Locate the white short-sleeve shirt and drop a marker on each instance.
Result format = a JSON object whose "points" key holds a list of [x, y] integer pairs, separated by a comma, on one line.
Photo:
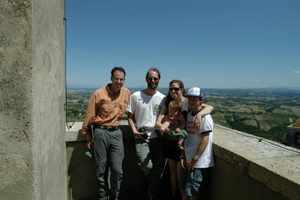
{"points": [[193, 140], [145, 108]]}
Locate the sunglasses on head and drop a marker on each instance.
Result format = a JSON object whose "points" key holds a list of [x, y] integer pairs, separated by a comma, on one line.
{"points": [[174, 88]]}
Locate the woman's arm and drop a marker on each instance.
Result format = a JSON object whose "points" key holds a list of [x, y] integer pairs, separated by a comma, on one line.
{"points": [[159, 120], [206, 109]]}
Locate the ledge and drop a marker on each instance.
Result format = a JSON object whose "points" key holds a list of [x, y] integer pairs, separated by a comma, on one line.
{"points": [[72, 132], [274, 165]]}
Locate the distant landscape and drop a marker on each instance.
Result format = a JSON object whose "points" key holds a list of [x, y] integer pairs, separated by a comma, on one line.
{"points": [[261, 112]]}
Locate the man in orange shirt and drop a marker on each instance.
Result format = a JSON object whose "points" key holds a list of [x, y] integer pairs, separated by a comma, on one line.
{"points": [[104, 113]]}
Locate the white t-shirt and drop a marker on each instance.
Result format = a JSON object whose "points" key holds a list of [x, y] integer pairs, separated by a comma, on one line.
{"points": [[193, 140], [145, 109]]}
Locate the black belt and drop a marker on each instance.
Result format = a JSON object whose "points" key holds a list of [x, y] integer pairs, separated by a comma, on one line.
{"points": [[146, 129], [109, 128]]}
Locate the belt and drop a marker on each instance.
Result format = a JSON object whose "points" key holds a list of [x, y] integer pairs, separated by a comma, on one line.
{"points": [[109, 128], [146, 129]]}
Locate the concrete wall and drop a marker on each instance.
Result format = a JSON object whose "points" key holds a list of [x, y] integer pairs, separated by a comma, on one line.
{"points": [[247, 167], [15, 105], [32, 151]]}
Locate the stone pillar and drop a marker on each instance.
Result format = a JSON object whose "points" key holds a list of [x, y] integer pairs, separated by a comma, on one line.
{"points": [[32, 146]]}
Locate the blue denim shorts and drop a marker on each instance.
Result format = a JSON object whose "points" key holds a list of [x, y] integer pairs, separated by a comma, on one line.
{"points": [[193, 181]]}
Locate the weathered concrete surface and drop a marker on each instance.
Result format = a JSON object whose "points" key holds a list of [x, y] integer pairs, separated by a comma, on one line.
{"points": [[15, 104], [248, 167], [32, 152], [48, 97]]}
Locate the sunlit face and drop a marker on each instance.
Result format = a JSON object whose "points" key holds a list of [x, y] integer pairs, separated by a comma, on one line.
{"points": [[117, 80], [194, 103], [152, 80], [175, 91]]}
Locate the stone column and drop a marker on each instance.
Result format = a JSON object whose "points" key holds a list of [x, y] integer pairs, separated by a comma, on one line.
{"points": [[32, 146]]}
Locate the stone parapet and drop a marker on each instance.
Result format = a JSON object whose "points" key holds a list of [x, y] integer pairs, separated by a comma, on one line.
{"points": [[268, 168], [247, 167]]}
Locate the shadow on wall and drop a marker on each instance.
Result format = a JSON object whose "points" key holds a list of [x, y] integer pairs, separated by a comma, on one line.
{"points": [[81, 172]]}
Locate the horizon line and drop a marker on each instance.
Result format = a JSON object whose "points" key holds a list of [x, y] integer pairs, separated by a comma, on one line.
{"points": [[232, 88]]}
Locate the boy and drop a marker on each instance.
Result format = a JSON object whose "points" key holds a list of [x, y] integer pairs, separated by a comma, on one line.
{"points": [[198, 146]]}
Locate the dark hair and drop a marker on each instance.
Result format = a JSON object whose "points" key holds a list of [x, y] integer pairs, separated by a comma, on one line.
{"points": [[121, 69], [169, 98], [153, 69]]}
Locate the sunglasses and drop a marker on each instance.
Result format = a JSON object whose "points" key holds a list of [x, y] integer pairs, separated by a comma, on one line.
{"points": [[174, 88], [152, 78]]}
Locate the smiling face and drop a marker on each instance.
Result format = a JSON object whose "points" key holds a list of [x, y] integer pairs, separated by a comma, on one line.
{"points": [[194, 103], [175, 91], [117, 80], [152, 80]]}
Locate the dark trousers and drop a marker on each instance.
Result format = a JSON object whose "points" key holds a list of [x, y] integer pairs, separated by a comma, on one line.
{"points": [[151, 161], [109, 155]]}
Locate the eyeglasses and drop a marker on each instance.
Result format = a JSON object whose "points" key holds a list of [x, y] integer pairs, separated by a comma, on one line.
{"points": [[152, 78], [174, 88]]}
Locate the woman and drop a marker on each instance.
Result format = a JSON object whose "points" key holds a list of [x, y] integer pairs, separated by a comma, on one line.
{"points": [[172, 150]]}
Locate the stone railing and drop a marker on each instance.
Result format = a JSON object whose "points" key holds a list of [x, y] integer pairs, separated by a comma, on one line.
{"points": [[247, 167]]}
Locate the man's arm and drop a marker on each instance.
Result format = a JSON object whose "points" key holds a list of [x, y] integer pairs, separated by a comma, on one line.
{"points": [[131, 123], [90, 113]]}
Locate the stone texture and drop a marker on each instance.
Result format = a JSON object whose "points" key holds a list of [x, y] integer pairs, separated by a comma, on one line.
{"points": [[32, 148], [267, 169], [48, 96], [15, 105]]}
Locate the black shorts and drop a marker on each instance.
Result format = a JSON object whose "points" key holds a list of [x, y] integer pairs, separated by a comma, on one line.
{"points": [[171, 149]]}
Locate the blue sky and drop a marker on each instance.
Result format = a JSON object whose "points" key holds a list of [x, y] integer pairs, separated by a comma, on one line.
{"points": [[209, 43]]}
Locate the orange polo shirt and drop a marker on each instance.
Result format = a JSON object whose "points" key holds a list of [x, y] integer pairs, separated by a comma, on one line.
{"points": [[106, 109]]}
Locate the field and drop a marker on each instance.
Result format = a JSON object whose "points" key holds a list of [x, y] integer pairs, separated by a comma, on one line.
{"points": [[261, 112]]}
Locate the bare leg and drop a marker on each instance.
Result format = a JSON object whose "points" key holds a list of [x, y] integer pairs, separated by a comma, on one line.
{"points": [[173, 176], [180, 180]]}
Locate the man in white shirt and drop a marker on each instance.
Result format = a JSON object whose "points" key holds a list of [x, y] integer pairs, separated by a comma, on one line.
{"points": [[143, 109], [198, 145]]}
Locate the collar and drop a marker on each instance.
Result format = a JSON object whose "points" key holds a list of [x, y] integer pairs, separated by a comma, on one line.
{"points": [[110, 92]]}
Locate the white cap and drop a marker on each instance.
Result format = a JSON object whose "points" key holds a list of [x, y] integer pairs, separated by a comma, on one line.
{"points": [[194, 92]]}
